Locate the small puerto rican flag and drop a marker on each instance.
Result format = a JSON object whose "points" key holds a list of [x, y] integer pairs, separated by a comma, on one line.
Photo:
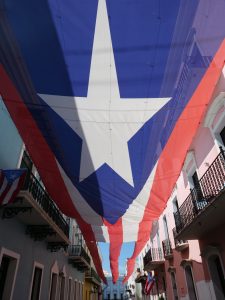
{"points": [[149, 284], [11, 182]]}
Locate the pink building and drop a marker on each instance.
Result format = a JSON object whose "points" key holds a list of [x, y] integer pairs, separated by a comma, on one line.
{"points": [[186, 250]]}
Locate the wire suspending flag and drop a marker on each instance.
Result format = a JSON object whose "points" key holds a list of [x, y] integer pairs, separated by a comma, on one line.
{"points": [[101, 93]]}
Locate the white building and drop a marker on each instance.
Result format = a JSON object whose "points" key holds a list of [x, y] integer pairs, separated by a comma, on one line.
{"points": [[114, 291]]}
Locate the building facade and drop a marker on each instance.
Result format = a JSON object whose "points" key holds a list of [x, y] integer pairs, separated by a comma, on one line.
{"points": [[185, 252], [115, 291], [42, 252]]}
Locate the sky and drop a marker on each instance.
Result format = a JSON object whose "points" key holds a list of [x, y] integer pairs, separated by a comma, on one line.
{"points": [[126, 252]]}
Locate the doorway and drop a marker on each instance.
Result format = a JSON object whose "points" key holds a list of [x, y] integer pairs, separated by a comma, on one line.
{"points": [[217, 275], [190, 283], [174, 286]]}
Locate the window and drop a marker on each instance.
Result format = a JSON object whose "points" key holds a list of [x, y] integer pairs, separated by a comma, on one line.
{"points": [[36, 283], [53, 289], [8, 269], [190, 283]]}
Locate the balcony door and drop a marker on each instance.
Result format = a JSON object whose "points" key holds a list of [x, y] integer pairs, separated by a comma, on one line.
{"points": [[166, 231], [217, 275], [222, 135], [53, 289], [197, 192], [176, 214], [36, 285]]}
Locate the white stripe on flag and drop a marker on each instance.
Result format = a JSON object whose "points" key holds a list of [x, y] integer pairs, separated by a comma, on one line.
{"points": [[12, 189], [135, 212], [86, 212], [101, 233]]}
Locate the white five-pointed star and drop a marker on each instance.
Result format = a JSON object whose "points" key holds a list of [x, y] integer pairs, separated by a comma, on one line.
{"points": [[103, 120]]}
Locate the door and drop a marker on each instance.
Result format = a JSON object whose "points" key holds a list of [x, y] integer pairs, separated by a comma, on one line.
{"points": [[174, 286], [216, 272], [197, 192]]}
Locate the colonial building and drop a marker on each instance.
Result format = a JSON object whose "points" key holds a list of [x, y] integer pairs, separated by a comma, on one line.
{"points": [[42, 252], [186, 249], [114, 291]]}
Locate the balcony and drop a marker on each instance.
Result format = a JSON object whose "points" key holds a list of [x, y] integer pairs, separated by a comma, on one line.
{"points": [[92, 276], [39, 213], [203, 209], [180, 245], [153, 259], [167, 249], [79, 258]]}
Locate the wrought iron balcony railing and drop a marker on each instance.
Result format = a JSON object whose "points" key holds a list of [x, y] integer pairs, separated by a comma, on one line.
{"points": [[167, 249], [153, 255], [93, 274], [33, 186], [78, 253], [211, 184]]}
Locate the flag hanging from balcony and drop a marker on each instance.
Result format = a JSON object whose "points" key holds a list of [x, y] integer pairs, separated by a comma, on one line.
{"points": [[102, 93], [11, 182], [150, 280]]}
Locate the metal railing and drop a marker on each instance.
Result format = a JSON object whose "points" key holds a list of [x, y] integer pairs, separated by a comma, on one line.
{"points": [[210, 185], [167, 249], [178, 242], [78, 250], [34, 187], [92, 273], [153, 254]]}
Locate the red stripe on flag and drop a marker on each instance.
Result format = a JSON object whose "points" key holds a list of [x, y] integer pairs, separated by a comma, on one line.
{"points": [[148, 286], [45, 161], [116, 240], [162, 189]]}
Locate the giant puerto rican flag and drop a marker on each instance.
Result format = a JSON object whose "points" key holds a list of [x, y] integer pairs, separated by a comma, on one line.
{"points": [[107, 96]]}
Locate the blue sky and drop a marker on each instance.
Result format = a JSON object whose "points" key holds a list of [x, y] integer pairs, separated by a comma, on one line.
{"points": [[126, 252]]}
